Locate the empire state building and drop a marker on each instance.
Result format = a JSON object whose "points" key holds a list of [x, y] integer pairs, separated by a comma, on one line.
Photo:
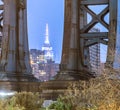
{"points": [[46, 48], [42, 61]]}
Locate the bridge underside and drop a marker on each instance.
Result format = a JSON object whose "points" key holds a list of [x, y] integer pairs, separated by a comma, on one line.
{"points": [[15, 70]]}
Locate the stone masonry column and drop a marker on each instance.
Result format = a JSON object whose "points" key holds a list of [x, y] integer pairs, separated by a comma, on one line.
{"points": [[15, 61]]}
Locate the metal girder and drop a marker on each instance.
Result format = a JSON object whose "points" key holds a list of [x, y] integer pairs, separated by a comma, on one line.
{"points": [[95, 38], [95, 41], [87, 27], [99, 18], [94, 2], [95, 18], [91, 35]]}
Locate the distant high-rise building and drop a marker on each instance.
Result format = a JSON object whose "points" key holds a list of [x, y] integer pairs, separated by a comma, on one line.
{"points": [[94, 51], [47, 49], [42, 61]]}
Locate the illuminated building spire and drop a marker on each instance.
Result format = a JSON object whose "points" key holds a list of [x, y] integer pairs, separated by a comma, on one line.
{"points": [[48, 53], [47, 35]]}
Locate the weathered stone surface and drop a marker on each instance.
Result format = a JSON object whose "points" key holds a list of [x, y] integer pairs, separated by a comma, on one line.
{"points": [[52, 89], [74, 75], [15, 62], [19, 86]]}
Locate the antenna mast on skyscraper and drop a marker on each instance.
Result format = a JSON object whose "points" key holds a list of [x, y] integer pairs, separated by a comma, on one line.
{"points": [[47, 35]]}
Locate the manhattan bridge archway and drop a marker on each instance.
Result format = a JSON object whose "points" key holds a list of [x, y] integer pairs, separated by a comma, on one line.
{"points": [[76, 40]]}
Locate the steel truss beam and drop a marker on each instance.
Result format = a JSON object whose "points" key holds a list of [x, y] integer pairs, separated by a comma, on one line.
{"points": [[77, 35]]}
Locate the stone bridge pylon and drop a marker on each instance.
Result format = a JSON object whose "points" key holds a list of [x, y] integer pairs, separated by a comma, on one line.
{"points": [[15, 62]]}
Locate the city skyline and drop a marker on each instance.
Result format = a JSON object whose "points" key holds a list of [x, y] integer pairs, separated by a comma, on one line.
{"points": [[39, 14], [42, 61]]}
